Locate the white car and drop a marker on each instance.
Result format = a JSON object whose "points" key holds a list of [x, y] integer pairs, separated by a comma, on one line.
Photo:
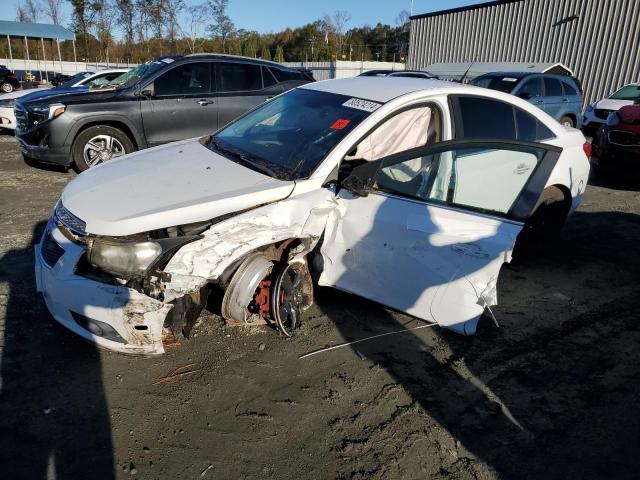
{"points": [[83, 79], [596, 114], [408, 192]]}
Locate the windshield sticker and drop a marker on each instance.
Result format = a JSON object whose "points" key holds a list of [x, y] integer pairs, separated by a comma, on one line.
{"points": [[167, 60], [360, 104], [339, 124]]}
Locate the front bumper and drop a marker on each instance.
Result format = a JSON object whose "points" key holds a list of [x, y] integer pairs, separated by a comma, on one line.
{"points": [[113, 317], [43, 152]]}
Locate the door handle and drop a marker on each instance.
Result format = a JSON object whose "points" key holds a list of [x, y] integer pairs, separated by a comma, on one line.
{"points": [[565, 99], [204, 102], [539, 101]]}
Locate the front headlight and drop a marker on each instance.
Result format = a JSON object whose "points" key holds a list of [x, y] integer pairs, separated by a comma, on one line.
{"points": [[129, 259], [8, 103], [48, 111]]}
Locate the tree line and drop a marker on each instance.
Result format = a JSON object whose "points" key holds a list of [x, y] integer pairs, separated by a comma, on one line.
{"points": [[136, 30]]}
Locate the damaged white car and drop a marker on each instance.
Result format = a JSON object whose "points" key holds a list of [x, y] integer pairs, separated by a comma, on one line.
{"points": [[408, 192]]}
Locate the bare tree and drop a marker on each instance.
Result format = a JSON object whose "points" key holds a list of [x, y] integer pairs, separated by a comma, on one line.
{"points": [[125, 14], [336, 25], [33, 9], [28, 12], [22, 15], [104, 16], [402, 20], [222, 26], [53, 10], [172, 9], [195, 25]]}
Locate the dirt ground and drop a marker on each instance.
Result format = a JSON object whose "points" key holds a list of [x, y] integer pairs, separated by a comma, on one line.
{"points": [[553, 393]]}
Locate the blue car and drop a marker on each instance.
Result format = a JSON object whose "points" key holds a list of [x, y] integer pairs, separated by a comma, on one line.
{"points": [[558, 95]]}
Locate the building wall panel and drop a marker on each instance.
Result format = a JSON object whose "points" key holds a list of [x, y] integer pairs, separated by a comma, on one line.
{"points": [[597, 39]]}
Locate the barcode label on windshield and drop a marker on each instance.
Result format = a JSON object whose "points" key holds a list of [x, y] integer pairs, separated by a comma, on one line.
{"points": [[360, 104]]}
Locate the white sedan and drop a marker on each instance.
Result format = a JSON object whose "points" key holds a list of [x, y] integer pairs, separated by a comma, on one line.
{"points": [[408, 192], [83, 79], [596, 114]]}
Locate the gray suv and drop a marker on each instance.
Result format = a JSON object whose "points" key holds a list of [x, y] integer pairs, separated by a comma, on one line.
{"points": [[558, 95], [167, 99]]}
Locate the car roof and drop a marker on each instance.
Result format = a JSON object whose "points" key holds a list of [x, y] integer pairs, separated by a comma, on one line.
{"points": [[224, 56], [380, 89], [111, 70]]}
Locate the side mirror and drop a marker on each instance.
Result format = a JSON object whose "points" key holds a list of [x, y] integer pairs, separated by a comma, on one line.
{"points": [[525, 95], [355, 185], [147, 93]]}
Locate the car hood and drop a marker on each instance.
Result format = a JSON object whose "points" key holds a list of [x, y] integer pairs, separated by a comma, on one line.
{"points": [[175, 184], [609, 104], [69, 95]]}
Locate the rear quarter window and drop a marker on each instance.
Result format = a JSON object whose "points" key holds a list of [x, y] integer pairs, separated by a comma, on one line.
{"points": [[569, 89], [286, 75], [238, 77]]}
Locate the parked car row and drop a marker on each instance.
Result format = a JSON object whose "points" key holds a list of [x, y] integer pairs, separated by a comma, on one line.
{"points": [[167, 99], [8, 80], [407, 191]]}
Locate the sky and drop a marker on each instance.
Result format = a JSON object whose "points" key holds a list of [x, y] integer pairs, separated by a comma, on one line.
{"points": [[275, 15]]}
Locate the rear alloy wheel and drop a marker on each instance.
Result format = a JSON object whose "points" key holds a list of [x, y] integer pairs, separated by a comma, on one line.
{"points": [[6, 87], [99, 144], [567, 122], [292, 293]]}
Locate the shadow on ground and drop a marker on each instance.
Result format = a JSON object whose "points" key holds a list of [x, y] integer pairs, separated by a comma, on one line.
{"points": [[55, 421], [554, 401]]}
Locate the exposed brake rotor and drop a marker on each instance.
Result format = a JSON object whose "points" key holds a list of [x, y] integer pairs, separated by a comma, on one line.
{"points": [[291, 294]]}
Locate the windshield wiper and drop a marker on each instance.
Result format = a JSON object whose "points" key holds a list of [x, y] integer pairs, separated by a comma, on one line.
{"points": [[252, 162]]}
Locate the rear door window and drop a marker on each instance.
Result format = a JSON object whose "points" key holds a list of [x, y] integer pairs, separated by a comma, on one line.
{"points": [[187, 79], [484, 118], [552, 87], [532, 87], [238, 77]]}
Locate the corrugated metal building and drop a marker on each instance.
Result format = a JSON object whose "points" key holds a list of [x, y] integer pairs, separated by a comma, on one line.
{"points": [[597, 39]]}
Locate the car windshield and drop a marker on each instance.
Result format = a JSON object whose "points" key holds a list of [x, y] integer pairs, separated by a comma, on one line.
{"points": [[75, 79], [135, 74], [289, 136], [502, 83], [628, 92]]}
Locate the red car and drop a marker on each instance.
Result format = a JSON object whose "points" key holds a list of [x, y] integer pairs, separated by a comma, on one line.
{"points": [[616, 145]]}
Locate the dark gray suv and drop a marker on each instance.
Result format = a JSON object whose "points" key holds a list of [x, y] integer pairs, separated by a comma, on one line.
{"points": [[167, 99]]}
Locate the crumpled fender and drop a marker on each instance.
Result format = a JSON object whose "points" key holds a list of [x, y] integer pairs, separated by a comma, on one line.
{"points": [[203, 261]]}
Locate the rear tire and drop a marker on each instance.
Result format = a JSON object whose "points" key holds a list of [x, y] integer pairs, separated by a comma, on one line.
{"points": [[543, 227], [6, 87], [567, 122], [99, 144]]}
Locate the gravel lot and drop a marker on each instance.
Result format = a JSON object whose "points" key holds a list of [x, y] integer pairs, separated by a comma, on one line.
{"points": [[553, 393]]}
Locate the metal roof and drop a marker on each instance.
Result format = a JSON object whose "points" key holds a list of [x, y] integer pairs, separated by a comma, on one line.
{"points": [[463, 9], [471, 70], [35, 30]]}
